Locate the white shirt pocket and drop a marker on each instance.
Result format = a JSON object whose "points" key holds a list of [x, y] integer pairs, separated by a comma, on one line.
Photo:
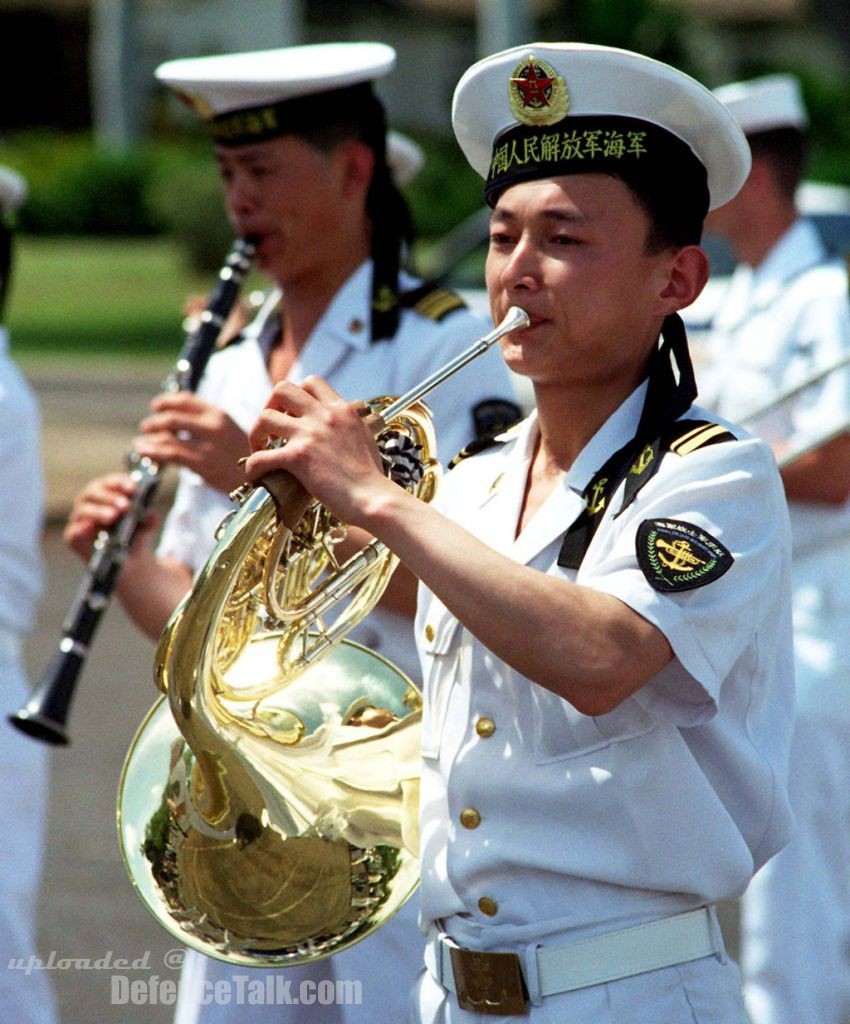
{"points": [[440, 665], [562, 732]]}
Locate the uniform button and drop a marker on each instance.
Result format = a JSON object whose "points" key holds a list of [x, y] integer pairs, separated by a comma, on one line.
{"points": [[485, 727], [470, 818], [488, 906], [429, 632]]}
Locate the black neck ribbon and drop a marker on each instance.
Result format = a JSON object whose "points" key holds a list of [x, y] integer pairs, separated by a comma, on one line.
{"points": [[669, 394]]}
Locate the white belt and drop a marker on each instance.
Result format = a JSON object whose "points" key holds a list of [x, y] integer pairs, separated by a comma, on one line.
{"points": [[490, 982]]}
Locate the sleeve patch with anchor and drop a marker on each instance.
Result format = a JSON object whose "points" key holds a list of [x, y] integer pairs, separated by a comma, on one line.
{"points": [[675, 555]]}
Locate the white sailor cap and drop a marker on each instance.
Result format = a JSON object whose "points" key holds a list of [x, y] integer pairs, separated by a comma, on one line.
{"points": [[13, 190], [545, 109], [248, 97], [762, 104]]}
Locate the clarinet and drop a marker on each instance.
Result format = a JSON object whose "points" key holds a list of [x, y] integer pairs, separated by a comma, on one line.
{"points": [[45, 714]]}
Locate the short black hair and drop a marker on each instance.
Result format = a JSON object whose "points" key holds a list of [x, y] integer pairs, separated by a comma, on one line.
{"points": [[787, 150]]}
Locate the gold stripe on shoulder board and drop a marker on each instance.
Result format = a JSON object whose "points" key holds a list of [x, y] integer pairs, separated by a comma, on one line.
{"points": [[698, 437], [438, 303]]}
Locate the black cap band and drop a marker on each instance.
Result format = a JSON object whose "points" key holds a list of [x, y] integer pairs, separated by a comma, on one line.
{"points": [[649, 159], [297, 116]]}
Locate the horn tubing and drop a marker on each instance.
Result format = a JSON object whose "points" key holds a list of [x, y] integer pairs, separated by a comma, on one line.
{"points": [[292, 499], [44, 716]]}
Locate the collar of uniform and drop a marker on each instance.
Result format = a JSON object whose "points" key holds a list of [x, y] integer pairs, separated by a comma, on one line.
{"points": [[799, 249], [347, 318], [614, 432], [621, 425], [510, 477]]}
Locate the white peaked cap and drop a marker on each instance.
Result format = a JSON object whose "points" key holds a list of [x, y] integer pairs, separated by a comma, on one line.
{"points": [[760, 104], [229, 82], [599, 81], [13, 190]]}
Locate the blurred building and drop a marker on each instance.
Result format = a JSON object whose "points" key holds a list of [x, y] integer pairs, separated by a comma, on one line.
{"points": [[90, 62]]}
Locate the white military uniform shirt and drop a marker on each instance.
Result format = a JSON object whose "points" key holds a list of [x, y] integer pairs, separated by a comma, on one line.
{"points": [[776, 327], [670, 801], [237, 380], [23, 761]]}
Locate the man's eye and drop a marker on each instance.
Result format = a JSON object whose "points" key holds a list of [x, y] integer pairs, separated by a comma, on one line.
{"points": [[566, 240], [499, 238]]}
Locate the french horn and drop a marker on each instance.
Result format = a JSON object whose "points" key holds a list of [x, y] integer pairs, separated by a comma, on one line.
{"points": [[268, 806]]}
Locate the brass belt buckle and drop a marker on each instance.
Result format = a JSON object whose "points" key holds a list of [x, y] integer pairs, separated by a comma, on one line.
{"points": [[488, 983]]}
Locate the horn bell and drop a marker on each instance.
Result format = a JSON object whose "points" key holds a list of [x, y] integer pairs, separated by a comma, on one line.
{"points": [[268, 807]]}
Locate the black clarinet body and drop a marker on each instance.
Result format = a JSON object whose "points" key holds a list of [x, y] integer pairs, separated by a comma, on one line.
{"points": [[44, 716]]}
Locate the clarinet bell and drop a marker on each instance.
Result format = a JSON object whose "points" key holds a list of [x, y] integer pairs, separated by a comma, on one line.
{"points": [[44, 716]]}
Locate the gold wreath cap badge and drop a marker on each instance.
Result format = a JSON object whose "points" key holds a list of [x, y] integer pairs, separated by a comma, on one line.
{"points": [[537, 94], [197, 103]]}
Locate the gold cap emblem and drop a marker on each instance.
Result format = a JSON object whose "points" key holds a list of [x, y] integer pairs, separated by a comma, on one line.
{"points": [[196, 103], [537, 93]]}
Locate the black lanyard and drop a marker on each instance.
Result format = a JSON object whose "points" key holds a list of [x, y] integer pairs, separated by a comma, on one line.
{"points": [[667, 398]]}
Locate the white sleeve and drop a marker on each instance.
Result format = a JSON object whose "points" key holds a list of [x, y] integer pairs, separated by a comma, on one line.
{"points": [[179, 530], [731, 492]]}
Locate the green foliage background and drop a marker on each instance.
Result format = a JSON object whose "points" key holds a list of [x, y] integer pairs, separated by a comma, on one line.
{"points": [[111, 243]]}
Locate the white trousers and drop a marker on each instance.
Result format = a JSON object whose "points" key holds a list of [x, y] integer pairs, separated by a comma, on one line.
{"points": [[385, 966], [24, 998]]}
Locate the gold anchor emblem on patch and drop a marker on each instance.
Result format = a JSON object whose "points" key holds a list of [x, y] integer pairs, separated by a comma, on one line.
{"points": [[642, 461], [597, 499], [385, 299], [681, 557]]}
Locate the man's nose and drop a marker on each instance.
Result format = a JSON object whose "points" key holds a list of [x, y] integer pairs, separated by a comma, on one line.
{"points": [[523, 267]]}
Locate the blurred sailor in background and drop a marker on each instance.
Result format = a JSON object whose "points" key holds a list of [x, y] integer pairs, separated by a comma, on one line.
{"points": [[301, 142], [784, 318], [27, 998]]}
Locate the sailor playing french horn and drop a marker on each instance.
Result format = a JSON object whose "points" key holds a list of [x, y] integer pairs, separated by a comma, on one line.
{"points": [[604, 618]]}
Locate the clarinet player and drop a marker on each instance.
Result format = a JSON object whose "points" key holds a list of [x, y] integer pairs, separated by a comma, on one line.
{"points": [[299, 138]]}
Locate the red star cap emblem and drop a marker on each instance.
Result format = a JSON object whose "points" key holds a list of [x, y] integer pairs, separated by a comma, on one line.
{"points": [[534, 89], [537, 94]]}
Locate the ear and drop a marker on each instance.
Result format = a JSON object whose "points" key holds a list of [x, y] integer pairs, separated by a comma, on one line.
{"points": [[687, 275], [357, 163]]}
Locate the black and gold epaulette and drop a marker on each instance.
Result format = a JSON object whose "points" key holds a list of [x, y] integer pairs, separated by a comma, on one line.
{"points": [[432, 301], [688, 436], [480, 444]]}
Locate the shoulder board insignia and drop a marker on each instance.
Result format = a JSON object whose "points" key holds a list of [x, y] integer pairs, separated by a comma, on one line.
{"points": [[432, 301], [480, 444], [675, 556], [690, 435]]}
